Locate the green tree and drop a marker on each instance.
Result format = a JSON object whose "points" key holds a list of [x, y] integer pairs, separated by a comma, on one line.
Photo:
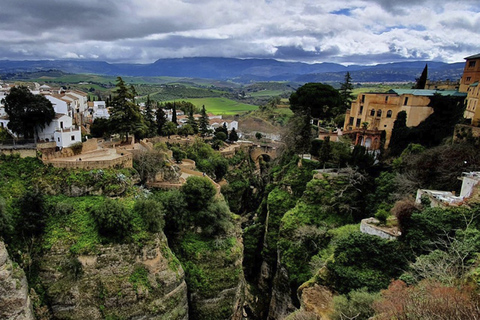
{"points": [[100, 128], [203, 122], [298, 133], [178, 154], [233, 136], [346, 89], [152, 213], [186, 130], [161, 120], [27, 112], [422, 81], [192, 122], [220, 136], [325, 152], [174, 114], [124, 113], [32, 219], [317, 100], [198, 191], [169, 128], [149, 118], [365, 261], [113, 219]]}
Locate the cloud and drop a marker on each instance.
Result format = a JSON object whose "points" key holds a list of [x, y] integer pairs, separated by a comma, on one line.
{"points": [[143, 31]]}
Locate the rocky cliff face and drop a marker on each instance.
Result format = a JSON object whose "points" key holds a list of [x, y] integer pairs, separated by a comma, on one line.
{"points": [[118, 282], [15, 303], [214, 276]]}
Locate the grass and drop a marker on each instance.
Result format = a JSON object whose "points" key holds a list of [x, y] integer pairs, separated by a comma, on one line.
{"points": [[266, 93], [223, 106]]}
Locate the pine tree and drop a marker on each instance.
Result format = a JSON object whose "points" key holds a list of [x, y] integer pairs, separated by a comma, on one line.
{"points": [[345, 91], [161, 120], [125, 115], [192, 122], [203, 122], [233, 136], [149, 118], [422, 81], [174, 114]]}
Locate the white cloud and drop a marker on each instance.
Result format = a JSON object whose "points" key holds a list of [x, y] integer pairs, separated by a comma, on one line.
{"points": [[143, 31]]}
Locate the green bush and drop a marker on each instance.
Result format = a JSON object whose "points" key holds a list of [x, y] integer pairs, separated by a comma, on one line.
{"points": [[113, 219], [152, 213], [198, 191], [382, 216], [357, 304], [365, 261]]}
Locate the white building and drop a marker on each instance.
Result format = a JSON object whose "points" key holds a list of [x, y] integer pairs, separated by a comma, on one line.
{"points": [[60, 129]]}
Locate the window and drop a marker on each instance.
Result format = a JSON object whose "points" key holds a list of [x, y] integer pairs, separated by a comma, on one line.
{"points": [[58, 139], [386, 99], [61, 124], [389, 113], [358, 123], [405, 102], [361, 110], [472, 64], [363, 98], [350, 121], [372, 112], [73, 138], [469, 78], [379, 113]]}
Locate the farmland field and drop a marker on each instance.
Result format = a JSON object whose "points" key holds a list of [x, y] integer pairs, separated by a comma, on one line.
{"points": [[220, 105]]}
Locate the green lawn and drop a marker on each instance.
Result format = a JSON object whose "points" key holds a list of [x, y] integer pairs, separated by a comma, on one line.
{"points": [[222, 105]]}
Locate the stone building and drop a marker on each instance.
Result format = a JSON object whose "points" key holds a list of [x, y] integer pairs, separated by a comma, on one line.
{"points": [[372, 114], [471, 72]]}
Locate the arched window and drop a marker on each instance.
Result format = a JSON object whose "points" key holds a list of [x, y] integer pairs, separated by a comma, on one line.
{"points": [[379, 112], [372, 113], [389, 113]]}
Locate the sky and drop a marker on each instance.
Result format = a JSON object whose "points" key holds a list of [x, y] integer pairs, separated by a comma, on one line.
{"points": [[142, 31]]}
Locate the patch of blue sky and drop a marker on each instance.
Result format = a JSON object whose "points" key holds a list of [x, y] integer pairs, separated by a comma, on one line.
{"points": [[343, 12]]}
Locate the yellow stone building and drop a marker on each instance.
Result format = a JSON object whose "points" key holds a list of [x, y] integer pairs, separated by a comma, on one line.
{"points": [[373, 113], [471, 72], [470, 85]]}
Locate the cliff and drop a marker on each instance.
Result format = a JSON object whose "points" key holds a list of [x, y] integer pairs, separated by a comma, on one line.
{"points": [[118, 281], [15, 303]]}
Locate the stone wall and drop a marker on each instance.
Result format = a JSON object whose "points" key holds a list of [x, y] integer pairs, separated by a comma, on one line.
{"points": [[90, 145], [22, 152], [367, 227], [124, 161]]}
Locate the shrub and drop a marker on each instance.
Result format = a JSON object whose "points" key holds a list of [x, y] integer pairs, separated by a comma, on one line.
{"points": [[113, 219], [357, 304], [76, 148], [382, 216], [198, 191], [152, 213], [5, 223], [427, 300], [31, 221]]}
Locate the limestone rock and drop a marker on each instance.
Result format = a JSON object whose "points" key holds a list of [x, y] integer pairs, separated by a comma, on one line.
{"points": [[119, 281], [15, 303]]}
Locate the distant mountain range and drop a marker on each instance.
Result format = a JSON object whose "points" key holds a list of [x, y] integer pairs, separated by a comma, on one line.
{"points": [[246, 70]]}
